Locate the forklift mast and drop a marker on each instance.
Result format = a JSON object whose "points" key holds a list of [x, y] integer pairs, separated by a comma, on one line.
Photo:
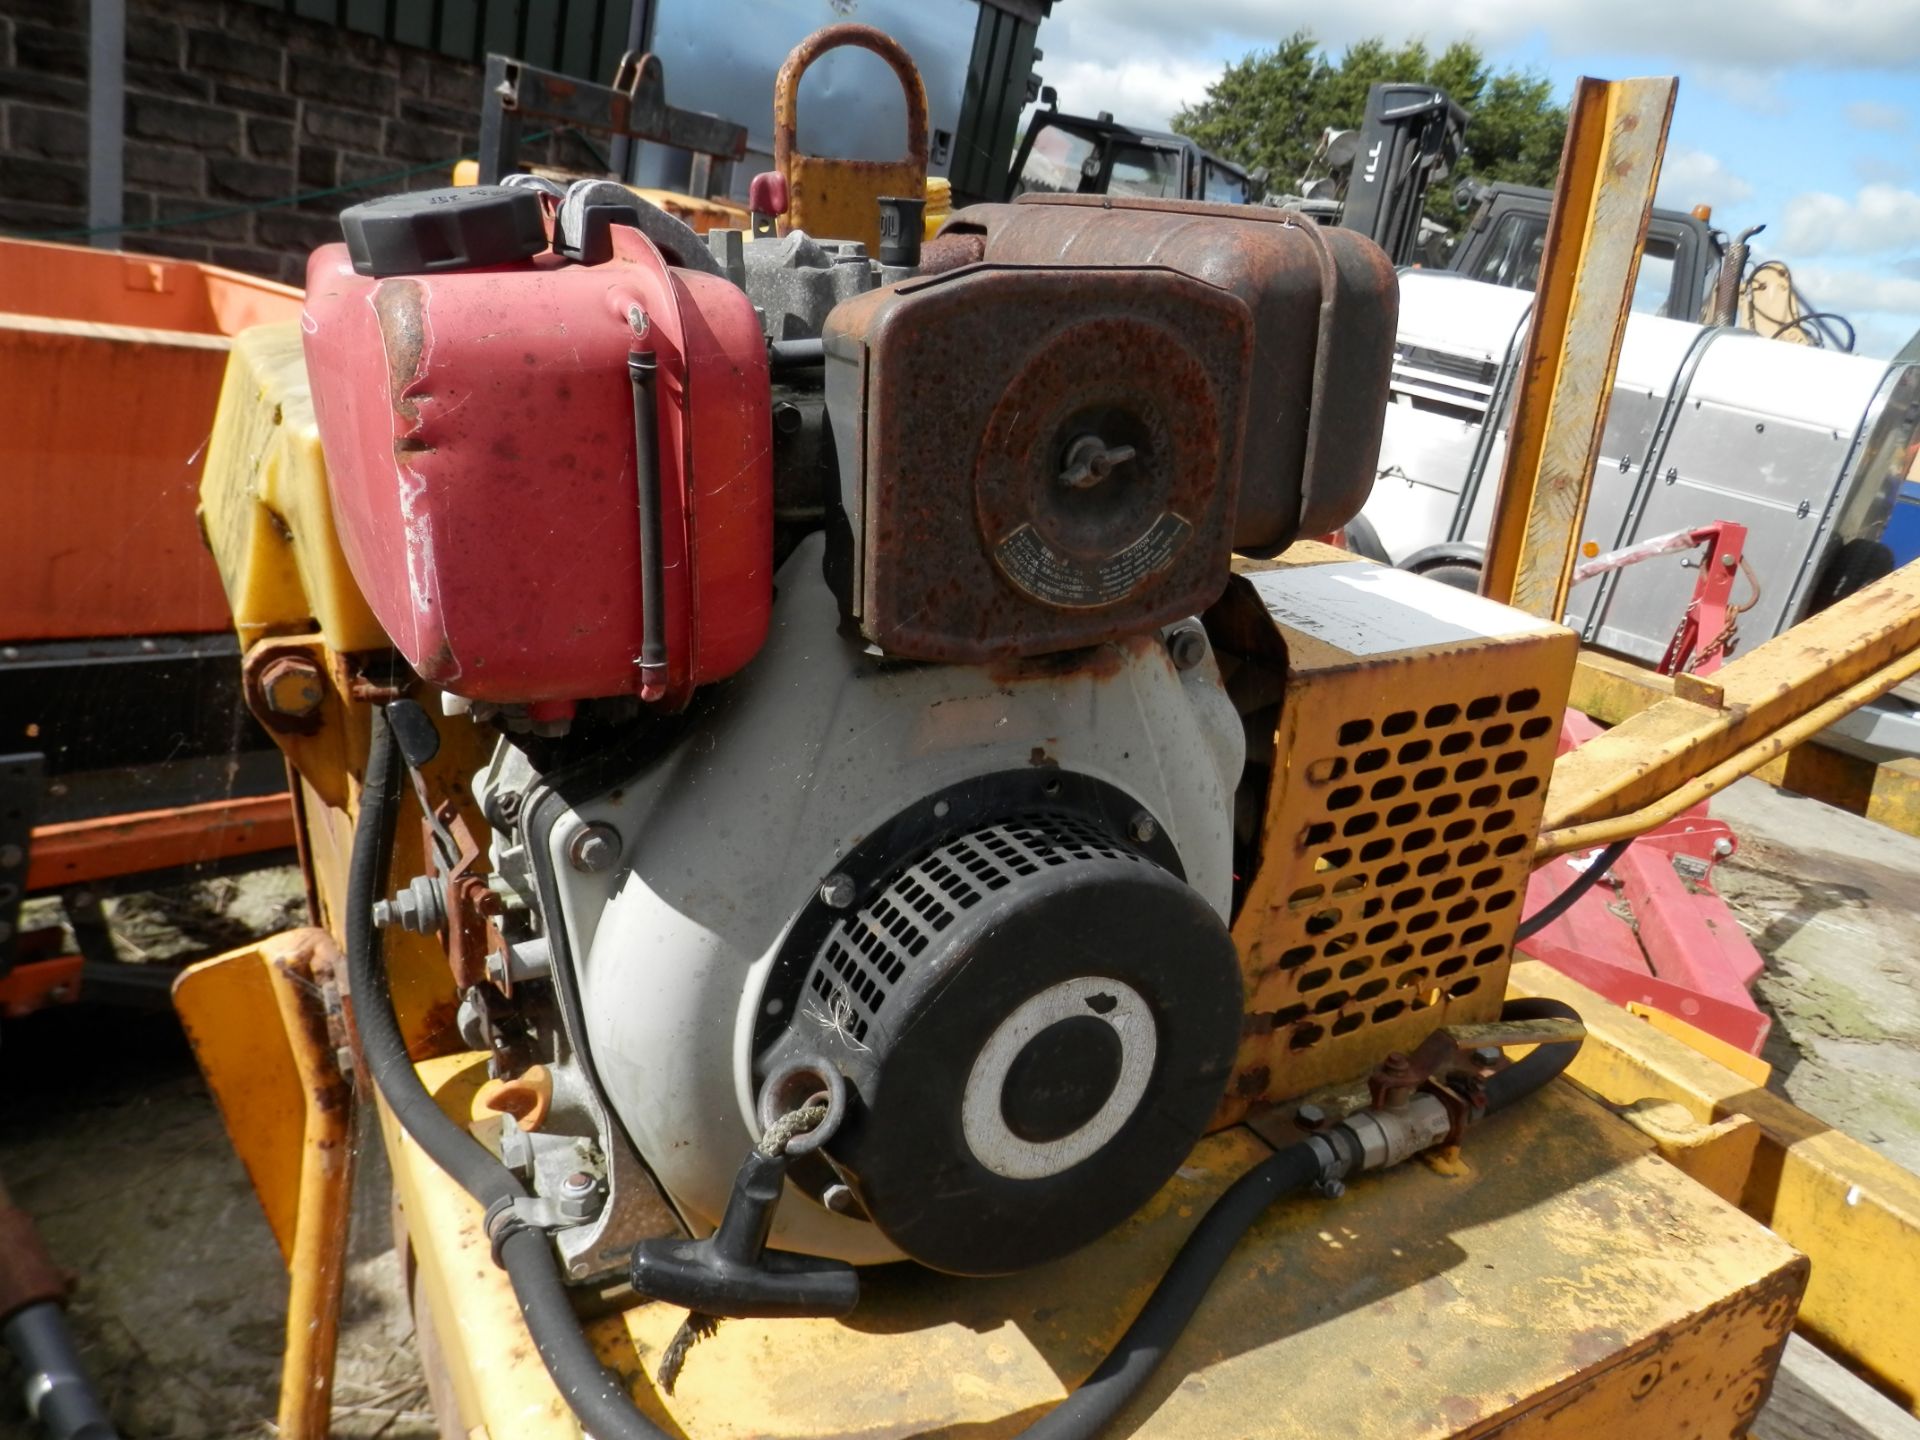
{"points": [[1411, 136]]}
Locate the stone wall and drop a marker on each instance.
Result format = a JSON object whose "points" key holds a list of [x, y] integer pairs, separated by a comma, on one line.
{"points": [[230, 107]]}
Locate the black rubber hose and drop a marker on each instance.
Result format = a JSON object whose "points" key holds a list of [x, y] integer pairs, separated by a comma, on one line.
{"points": [[597, 1397], [1090, 1409], [382, 1046], [600, 1399], [1595, 872], [1546, 1062]]}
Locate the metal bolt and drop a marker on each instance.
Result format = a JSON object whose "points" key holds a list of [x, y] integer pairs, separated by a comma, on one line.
{"points": [[1187, 647], [839, 1199], [1089, 460], [421, 907], [508, 805], [580, 1196], [595, 850], [293, 686], [1723, 847], [1142, 828], [1310, 1117], [1332, 1187], [838, 890], [1488, 1056]]}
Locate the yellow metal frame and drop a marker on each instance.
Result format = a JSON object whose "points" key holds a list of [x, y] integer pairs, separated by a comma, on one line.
{"points": [[1709, 733], [1612, 690], [1853, 1213], [1565, 1281], [259, 1029], [1608, 169]]}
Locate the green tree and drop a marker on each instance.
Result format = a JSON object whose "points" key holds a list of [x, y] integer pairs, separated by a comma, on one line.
{"points": [[1270, 108]]}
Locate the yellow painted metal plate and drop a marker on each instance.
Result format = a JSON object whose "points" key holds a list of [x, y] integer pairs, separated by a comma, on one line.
{"points": [[265, 506], [1569, 1281], [1854, 1212], [232, 1021]]}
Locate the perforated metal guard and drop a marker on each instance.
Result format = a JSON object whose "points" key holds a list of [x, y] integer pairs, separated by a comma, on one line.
{"points": [[1400, 830], [869, 951]]}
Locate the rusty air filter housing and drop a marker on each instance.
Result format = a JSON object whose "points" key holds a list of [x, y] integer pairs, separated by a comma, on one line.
{"points": [[1324, 304], [1035, 459]]}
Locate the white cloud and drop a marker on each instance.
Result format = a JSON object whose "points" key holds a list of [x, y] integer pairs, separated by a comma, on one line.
{"points": [[1752, 89], [1879, 169], [1879, 217], [1139, 92], [1845, 288], [1871, 34], [1882, 305], [1871, 115], [1693, 177]]}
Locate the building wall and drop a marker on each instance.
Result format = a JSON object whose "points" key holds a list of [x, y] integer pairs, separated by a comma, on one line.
{"points": [[229, 107]]}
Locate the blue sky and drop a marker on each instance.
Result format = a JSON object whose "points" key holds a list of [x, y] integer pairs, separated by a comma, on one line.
{"points": [[1803, 115]]}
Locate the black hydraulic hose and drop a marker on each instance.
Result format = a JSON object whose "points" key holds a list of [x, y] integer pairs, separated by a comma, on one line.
{"points": [[1090, 1409], [1596, 871], [1546, 1062], [599, 1398], [58, 1393], [381, 1044]]}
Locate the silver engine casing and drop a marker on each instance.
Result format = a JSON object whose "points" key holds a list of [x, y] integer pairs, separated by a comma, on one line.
{"points": [[726, 833]]}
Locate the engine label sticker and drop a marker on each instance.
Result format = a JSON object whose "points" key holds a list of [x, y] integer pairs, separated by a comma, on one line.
{"points": [[1031, 562], [1368, 609]]}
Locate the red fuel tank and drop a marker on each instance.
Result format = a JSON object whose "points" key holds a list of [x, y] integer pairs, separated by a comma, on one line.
{"points": [[479, 426]]}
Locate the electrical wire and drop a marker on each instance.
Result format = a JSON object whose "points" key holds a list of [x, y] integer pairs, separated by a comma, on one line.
{"points": [[1551, 911], [1809, 322]]}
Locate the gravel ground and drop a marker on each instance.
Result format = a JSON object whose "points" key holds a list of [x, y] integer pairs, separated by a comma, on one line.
{"points": [[112, 1144]]}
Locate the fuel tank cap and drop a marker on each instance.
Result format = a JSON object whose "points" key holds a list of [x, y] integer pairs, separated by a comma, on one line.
{"points": [[456, 228]]}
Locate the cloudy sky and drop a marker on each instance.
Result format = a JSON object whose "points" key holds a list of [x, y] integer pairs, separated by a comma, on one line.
{"points": [[1803, 115]]}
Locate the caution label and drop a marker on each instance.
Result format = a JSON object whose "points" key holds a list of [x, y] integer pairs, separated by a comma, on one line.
{"points": [[1032, 563]]}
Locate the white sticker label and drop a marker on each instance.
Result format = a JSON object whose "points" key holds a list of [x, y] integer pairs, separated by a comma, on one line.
{"points": [[1368, 609]]}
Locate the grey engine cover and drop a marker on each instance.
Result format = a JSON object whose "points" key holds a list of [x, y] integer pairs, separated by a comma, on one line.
{"points": [[784, 770]]}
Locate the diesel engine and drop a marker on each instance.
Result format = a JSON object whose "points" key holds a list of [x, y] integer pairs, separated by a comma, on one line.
{"points": [[862, 750]]}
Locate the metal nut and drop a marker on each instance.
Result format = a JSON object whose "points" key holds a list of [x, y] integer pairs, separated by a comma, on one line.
{"points": [[1142, 828], [293, 686], [1310, 1117], [580, 1196], [839, 1199], [595, 850], [1186, 647], [1489, 1056], [838, 890]]}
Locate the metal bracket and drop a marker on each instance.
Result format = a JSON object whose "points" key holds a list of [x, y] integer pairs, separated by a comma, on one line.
{"points": [[634, 106]]}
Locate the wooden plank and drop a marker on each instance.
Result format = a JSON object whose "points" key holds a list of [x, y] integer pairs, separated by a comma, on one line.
{"points": [[1817, 1398]]}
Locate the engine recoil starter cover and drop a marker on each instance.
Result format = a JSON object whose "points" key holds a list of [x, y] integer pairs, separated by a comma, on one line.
{"points": [[1036, 1021]]}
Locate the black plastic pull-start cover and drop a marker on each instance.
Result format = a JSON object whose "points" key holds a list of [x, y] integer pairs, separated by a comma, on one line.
{"points": [[458, 228]]}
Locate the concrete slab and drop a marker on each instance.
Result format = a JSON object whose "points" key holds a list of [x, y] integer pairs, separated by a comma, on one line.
{"points": [[1833, 902]]}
